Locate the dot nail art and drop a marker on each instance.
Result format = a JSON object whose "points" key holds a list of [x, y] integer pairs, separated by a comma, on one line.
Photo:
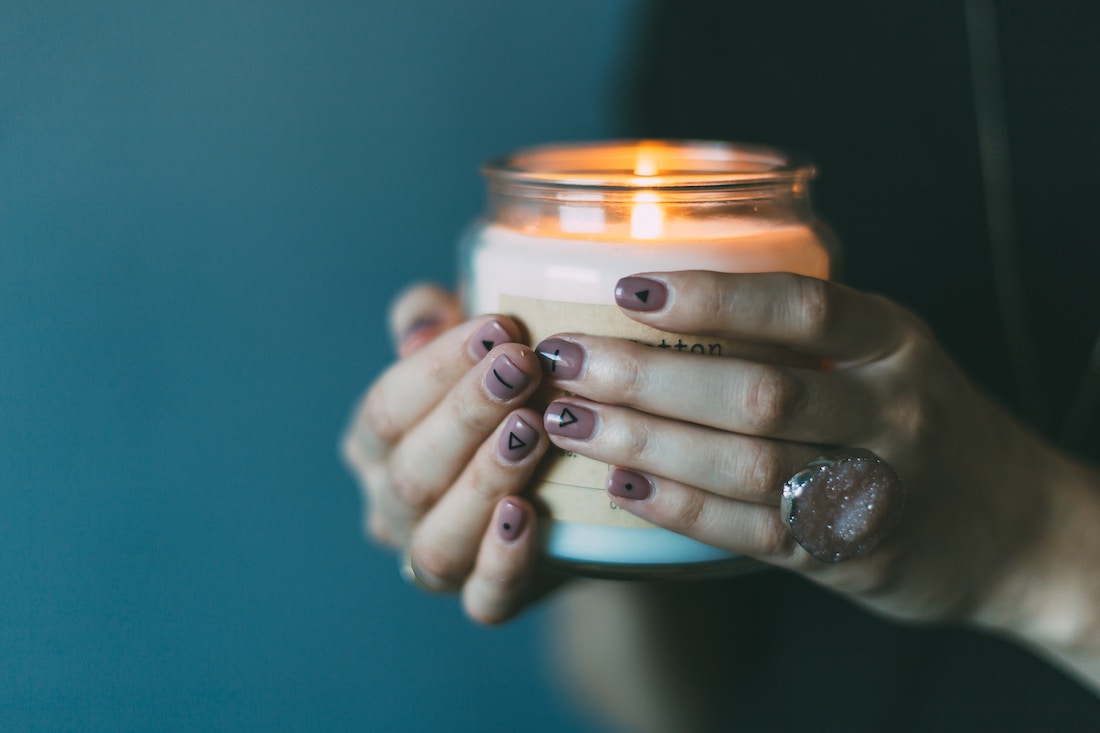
{"points": [[626, 484], [511, 520]]}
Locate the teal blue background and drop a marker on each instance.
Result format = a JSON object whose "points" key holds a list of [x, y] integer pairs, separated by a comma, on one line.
{"points": [[204, 209]]}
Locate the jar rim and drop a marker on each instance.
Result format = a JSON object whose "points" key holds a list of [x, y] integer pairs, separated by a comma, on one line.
{"points": [[630, 164]]}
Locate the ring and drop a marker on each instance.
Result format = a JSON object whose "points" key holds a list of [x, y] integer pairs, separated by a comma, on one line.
{"points": [[411, 576], [843, 504]]}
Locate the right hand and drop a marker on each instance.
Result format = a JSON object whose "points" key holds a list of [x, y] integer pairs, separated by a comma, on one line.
{"points": [[429, 444]]}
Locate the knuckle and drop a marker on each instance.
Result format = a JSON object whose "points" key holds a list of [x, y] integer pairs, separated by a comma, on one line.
{"points": [[719, 305], [350, 452], [486, 614], [765, 475], [775, 539], [484, 485], [688, 514], [440, 373], [627, 382], [634, 443], [377, 419], [916, 417], [380, 531], [469, 416], [412, 491], [490, 601], [437, 565], [770, 401], [815, 305]]}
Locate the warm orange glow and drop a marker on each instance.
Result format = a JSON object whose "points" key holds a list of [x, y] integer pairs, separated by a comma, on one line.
{"points": [[646, 163], [646, 217], [647, 221]]}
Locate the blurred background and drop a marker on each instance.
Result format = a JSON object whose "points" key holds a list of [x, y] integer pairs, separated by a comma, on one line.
{"points": [[205, 208]]}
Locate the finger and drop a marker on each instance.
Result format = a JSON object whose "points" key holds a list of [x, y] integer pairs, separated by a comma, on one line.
{"points": [[412, 387], [755, 530], [802, 313], [434, 452], [421, 313], [731, 465], [504, 572], [766, 400], [445, 542]]}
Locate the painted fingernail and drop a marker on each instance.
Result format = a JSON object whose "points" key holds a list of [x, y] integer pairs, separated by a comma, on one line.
{"points": [[641, 294], [505, 380], [417, 331], [626, 484], [517, 439], [488, 336], [561, 359], [569, 420], [511, 519]]}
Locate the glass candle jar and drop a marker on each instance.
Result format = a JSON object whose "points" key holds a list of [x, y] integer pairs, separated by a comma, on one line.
{"points": [[562, 225]]}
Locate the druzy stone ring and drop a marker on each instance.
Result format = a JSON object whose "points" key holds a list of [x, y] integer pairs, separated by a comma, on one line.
{"points": [[842, 504]]}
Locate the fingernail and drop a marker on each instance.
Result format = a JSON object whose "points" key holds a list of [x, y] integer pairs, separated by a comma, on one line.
{"points": [[504, 379], [511, 519], [561, 359], [488, 336], [569, 420], [517, 439], [626, 484], [641, 294], [418, 329]]}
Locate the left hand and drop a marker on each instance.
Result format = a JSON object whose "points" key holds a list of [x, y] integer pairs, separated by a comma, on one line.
{"points": [[709, 441]]}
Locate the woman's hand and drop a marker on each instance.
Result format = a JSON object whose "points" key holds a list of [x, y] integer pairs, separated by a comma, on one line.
{"points": [[703, 445], [442, 447]]}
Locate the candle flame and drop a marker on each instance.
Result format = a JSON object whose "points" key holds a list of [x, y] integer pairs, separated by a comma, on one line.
{"points": [[646, 218], [645, 164]]}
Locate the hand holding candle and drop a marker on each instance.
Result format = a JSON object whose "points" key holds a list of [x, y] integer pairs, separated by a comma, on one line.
{"points": [[564, 223], [443, 446], [698, 388], [703, 446]]}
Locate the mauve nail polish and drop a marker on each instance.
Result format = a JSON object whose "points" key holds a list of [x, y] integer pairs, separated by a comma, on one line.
{"points": [[517, 439], [511, 520], [419, 325], [490, 335], [569, 420], [421, 330], [560, 359], [626, 484], [641, 294], [505, 380]]}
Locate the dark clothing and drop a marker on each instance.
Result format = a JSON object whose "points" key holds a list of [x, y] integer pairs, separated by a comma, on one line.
{"points": [[880, 96]]}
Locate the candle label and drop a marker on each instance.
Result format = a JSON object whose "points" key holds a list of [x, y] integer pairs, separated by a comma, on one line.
{"points": [[569, 486]]}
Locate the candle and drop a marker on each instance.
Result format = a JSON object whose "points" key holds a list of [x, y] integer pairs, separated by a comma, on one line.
{"points": [[564, 223]]}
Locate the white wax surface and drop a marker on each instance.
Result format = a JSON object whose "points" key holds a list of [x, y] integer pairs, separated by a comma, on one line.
{"points": [[585, 271]]}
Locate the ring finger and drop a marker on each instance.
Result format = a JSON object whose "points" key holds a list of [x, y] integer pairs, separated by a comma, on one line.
{"points": [[741, 527], [735, 466], [458, 425], [445, 543]]}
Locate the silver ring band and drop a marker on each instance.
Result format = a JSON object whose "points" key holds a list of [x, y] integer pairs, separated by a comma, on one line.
{"points": [[413, 577]]}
